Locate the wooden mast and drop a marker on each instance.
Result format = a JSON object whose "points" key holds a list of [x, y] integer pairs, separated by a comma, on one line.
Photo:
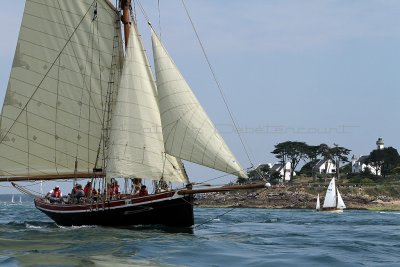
{"points": [[125, 6]]}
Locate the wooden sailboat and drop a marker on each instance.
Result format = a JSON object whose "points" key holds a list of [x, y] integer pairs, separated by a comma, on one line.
{"points": [[81, 104], [333, 201]]}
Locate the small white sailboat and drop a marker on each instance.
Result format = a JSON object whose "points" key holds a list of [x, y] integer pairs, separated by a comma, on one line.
{"points": [[318, 205], [333, 201], [12, 199], [20, 199]]}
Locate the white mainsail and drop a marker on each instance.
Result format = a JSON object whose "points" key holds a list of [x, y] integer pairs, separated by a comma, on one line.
{"points": [[330, 196], [56, 97], [340, 202], [318, 205], [136, 140], [188, 132]]}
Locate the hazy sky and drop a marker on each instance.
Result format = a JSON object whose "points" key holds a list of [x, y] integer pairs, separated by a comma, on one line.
{"points": [[318, 71]]}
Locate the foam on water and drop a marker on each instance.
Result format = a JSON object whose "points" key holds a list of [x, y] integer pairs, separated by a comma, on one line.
{"points": [[242, 237]]}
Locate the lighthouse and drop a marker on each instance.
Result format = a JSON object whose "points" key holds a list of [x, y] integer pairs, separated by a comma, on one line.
{"points": [[380, 143]]}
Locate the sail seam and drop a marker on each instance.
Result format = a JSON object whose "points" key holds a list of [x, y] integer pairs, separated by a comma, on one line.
{"points": [[50, 92], [186, 130], [8, 158], [42, 131], [44, 77], [40, 144]]}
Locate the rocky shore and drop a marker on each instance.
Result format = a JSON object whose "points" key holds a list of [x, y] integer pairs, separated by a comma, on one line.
{"points": [[304, 197]]}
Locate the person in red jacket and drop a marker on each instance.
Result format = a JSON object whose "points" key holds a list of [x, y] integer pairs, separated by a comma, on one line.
{"points": [[116, 188], [55, 195], [143, 191], [88, 189]]}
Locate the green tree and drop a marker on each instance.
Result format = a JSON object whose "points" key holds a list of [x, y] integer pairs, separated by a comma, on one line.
{"points": [[308, 168], [252, 174], [259, 173], [326, 153], [312, 153], [292, 152], [384, 160], [339, 154]]}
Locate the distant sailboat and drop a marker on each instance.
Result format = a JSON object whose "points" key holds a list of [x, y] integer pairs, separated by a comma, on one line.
{"points": [[333, 201], [20, 199], [318, 205], [12, 199]]}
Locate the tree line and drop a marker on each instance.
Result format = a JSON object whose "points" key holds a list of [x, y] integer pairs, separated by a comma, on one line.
{"points": [[383, 160]]}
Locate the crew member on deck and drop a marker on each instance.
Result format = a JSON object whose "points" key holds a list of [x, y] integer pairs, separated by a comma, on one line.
{"points": [[143, 191], [116, 188], [55, 195], [136, 185], [80, 193], [88, 189]]}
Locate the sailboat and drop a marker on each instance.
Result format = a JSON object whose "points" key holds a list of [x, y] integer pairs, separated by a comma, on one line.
{"points": [[12, 199], [318, 205], [81, 103], [20, 199], [333, 201]]}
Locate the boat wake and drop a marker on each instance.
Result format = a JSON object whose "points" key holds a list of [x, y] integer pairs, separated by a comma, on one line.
{"points": [[73, 227]]}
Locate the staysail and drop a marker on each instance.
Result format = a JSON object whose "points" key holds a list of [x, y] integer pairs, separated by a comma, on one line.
{"points": [[188, 132], [330, 196], [52, 117], [136, 140]]}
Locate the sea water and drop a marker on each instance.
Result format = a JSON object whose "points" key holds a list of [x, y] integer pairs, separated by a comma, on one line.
{"points": [[222, 237]]}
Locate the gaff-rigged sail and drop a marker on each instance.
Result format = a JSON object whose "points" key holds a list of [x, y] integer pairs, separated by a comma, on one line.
{"points": [[188, 132], [136, 140], [56, 97]]}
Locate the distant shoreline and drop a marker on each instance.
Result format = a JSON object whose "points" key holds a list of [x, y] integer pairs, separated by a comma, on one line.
{"points": [[297, 197]]}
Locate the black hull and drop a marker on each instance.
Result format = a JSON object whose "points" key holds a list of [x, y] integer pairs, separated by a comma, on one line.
{"points": [[168, 211]]}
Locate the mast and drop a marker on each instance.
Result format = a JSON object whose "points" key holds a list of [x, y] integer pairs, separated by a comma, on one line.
{"points": [[125, 6]]}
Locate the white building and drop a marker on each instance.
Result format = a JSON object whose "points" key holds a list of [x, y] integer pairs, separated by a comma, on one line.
{"points": [[324, 166], [283, 170], [359, 165], [380, 144]]}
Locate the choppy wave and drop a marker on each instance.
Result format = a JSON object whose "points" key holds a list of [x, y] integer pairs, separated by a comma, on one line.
{"points": [[241, 237]]}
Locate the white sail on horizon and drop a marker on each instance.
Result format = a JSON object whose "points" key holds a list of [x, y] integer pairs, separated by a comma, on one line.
{"points": [[188, 132], [53, 112], [318, 205], [136, 140]]}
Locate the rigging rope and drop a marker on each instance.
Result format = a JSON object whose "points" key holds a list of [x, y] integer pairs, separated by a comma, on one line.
{"points": [[143, 12], [2, 138], [218, 84], [159, 17], [215, 80], [226, 212]]}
